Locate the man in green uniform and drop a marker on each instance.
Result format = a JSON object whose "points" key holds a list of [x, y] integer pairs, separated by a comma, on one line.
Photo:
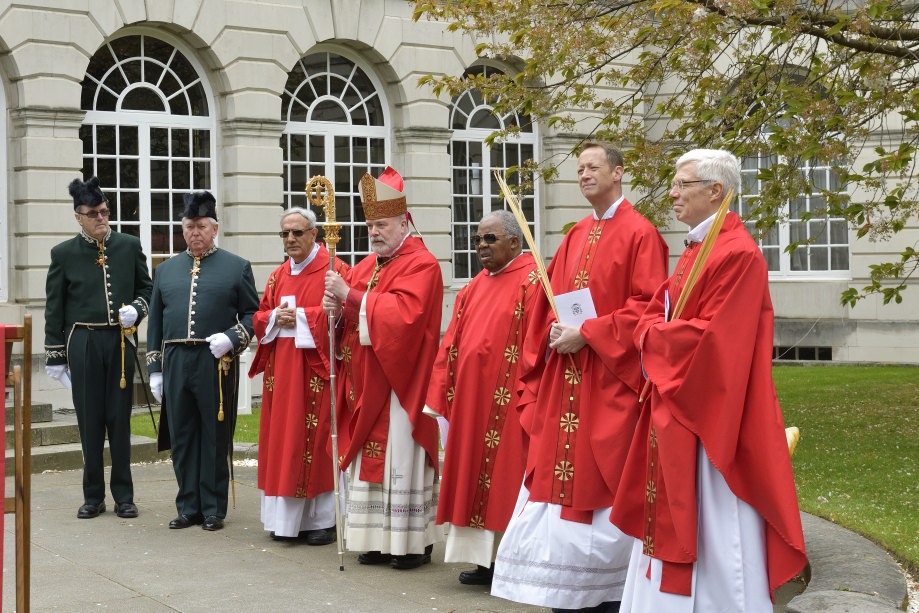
{"points": [[97, 289], [200, 321]]}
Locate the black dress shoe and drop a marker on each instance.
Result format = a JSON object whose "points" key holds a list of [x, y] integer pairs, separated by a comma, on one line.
{"points": [[480, 576], [126, 509], [184, 521], [278, 537], [374, 557], [412, 560], [212, 523], [325, 536], [88, 511]]}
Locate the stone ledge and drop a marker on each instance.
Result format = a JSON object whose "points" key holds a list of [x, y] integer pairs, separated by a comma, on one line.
{"points": [[847, 573]]}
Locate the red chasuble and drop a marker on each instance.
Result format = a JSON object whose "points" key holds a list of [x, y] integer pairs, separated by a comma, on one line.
{"points": [[294, 457], [581, 413], [404, 302], [473, 385], [712, 376]]}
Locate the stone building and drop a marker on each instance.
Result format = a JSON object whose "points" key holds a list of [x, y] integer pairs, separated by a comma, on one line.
{"points": [[249, 98]]}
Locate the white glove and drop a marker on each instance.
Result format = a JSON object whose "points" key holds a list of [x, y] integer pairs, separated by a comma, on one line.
{"points": [[60, 373], [156, 385], [220, 344], [128, 316]]}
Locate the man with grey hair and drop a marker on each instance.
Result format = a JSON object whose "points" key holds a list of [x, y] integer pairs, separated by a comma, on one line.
{"points": [[200, 321], [390, 305], [473, 386], [295, 472], [707, 489]]}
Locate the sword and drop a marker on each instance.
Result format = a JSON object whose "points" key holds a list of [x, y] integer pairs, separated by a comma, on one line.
{"points": [[140, 373], [320, 193], [224, 374]]}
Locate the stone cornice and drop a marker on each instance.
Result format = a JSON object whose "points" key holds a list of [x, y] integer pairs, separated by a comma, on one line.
{"points": [[423, 135], [46, 116]]}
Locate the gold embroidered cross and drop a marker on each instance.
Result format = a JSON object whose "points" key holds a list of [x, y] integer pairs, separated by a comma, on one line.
{"points": [[196, 267], [101, 259]]}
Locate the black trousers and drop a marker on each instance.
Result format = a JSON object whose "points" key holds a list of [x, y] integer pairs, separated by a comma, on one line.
{"points": [[200, 443], [103, 409]]}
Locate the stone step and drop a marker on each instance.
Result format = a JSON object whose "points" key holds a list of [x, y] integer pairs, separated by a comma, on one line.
{"points": [[50, 433], [41, 413], [69, 456]]}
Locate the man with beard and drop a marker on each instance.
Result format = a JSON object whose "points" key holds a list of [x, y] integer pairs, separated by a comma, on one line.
{"points": [[391, 307]]}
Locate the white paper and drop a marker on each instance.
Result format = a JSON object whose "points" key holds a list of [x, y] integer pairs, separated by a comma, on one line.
{"points": [[290, 300], [574, 308]]}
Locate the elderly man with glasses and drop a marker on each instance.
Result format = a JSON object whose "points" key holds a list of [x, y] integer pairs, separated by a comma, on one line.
{"points": [[473, 386], [295, 471], [722, 530], [98, 290]]}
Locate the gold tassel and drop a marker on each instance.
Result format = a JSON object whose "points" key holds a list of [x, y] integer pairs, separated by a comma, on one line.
{"points": [[124, 331]]}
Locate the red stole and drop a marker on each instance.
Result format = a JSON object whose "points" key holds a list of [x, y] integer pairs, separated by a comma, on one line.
{"points": [[403, 305]]}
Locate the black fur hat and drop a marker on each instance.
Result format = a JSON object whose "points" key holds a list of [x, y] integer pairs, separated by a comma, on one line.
{"points": [[86, 194], [200, 204]]}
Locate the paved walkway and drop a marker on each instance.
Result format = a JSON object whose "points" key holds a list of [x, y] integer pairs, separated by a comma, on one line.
{"points": [[139, 565]]}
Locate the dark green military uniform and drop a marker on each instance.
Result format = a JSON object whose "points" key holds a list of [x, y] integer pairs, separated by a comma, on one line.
{"points": [[87, 283], [191, 301]]}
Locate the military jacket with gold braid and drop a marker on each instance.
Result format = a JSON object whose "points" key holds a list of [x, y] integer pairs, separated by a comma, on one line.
{"points": [[194, 299], [88, 281]]}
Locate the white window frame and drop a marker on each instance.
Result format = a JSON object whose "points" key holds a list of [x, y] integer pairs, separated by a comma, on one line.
{"points": [[145, 121], [348, 201], [492, 199], [779, 237]]}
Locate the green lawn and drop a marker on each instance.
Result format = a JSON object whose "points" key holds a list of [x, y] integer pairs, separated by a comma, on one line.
{"points": [[857, 463], [246, 426]]}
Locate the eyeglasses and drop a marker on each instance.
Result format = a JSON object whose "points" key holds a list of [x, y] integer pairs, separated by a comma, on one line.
{"points": [[679, 184], [296, 233], [104, 213], [490, 239]]}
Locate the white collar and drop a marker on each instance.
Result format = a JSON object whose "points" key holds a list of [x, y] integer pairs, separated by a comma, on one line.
{"points": [[697, 234], [296, 269], [611, 210]]}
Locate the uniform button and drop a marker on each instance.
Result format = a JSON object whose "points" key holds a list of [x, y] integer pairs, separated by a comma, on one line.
{"points": [[192, 322], [192, 312]]}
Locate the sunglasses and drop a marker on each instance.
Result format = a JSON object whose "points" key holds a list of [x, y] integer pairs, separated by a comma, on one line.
{"points": [[490, 239], [296, 233], [104, 213]]}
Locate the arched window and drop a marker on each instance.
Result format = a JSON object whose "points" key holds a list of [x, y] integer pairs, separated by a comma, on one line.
{"points": [[475, 191], [335, 127], [149, 137]]}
